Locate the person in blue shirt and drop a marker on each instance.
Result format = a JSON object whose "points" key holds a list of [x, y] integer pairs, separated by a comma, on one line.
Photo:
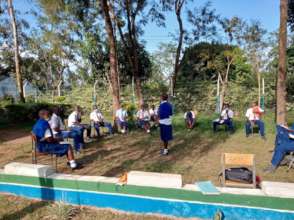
{"points": [[46, 143], [165, 113]]}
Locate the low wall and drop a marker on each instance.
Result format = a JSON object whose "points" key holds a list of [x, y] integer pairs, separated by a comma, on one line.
{"points": [[183, 202]]}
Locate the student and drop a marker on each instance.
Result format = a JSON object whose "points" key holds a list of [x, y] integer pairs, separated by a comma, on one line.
{"points": [[226, 118], [121, 118], [58, 130], [143, 118], [98, 119], [190, 119], [74, 123], [284, 144], [46, 143], [153, 113], [253, 115], [165, 113]]}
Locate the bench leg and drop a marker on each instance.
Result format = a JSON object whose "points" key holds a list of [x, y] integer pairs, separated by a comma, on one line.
{"points": [[291, 164]]}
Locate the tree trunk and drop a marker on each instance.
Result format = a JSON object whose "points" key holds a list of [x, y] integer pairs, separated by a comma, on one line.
{"points": [[178, 8], [281, 78], [112, 57], [16, 51]]}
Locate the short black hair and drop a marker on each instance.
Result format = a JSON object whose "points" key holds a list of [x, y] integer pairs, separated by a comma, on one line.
{"points": [[164, 97]]}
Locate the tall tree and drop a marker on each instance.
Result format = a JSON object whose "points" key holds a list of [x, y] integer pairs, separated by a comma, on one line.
{"points": [[16, 51], [112, 56], [281, 78]]}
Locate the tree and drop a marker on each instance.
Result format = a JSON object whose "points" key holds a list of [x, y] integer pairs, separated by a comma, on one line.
{"points": [[112, 56], [281, 78], [16, 51]]}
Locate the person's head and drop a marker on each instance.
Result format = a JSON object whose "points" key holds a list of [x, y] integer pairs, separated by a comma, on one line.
{"points": [[254, 104], [56, 110], [153, 106], [95, 107], [44, 114], [78, 109], [123, 105], [226, 105], [164, 97]]}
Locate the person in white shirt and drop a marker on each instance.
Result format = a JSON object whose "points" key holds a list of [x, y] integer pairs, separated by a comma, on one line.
{"points": [[190, 119], [143, 118], [253, 116], [59, 131], [153, 113], [98, 121], [226, 118], [74, 123], [121, 118]]}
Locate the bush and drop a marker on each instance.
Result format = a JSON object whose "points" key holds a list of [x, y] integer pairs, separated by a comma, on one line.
{"points": [[26, 112]]}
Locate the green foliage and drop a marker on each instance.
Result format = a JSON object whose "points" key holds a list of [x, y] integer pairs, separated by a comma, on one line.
{"points": [[27, 112]]}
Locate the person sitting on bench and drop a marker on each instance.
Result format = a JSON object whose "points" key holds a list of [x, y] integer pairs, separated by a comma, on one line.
{"points": [[74, 123], [253, 116], [153, 113], [121, 118], [226, 118], [98, 119], [46, 143], [143, 118], [190, 119], [59, 131], [284, 144]]}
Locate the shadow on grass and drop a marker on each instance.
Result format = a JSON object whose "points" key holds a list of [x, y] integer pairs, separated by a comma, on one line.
{"points": [[20, 214]]}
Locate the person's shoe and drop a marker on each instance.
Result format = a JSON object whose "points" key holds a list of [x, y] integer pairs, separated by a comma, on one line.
{"points": [[148, 131], [164, 151], [270, 169]]}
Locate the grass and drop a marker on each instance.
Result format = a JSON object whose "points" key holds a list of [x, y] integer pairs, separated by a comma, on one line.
{"points": [[193, 154]]}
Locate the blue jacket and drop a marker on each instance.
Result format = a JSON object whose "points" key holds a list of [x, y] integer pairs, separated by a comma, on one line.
{"points": [[165, 110]]}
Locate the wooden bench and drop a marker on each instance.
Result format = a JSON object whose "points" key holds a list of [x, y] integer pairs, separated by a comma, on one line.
{"points": [[36, 154], [243, 160]]}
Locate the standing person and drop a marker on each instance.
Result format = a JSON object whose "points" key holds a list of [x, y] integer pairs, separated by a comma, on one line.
{"points": [[226, 118], [121, 118], [74, 123], [143, 118], [59, 131], [165, 113], [46, 143], [190, 118], [98, 119], [253, 116]]}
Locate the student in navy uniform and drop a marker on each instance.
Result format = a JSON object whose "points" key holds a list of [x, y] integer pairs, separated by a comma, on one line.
{"points": [[190, 118], [165, 113], [46, 143]]}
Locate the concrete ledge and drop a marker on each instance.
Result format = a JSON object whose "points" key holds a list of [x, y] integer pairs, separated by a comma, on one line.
{"points": [[25, 169], [154, 179], [278, 189]]}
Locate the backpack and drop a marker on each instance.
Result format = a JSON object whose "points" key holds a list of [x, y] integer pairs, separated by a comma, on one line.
{"points": [[238, 174]]}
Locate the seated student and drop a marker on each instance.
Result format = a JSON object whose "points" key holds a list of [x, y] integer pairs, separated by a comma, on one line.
{"points": [[74, 123], [57, 128], [190, 119], [226, 118], [284, 144], [98, 119], [46, 143], [253, 116], [143, 118], [153, 113], [121, 118]]}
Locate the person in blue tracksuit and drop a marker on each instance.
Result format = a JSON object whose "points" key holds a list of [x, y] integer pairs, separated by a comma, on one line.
{"points": [[165, 113]]}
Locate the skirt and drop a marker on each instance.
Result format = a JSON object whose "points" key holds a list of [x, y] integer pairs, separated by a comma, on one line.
{"points": [[166, 132]]}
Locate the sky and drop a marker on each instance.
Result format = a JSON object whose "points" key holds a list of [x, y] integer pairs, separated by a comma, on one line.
{"points": [[266, 11]]}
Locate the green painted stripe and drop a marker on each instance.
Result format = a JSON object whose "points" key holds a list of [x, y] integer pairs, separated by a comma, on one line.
{"points": [[180, 194]]}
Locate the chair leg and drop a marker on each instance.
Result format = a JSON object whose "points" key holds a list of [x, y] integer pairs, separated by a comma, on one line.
{"points": [[291, 164]]}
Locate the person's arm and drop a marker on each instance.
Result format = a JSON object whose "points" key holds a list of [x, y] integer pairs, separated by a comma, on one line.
{"points": [[247, 115]]}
